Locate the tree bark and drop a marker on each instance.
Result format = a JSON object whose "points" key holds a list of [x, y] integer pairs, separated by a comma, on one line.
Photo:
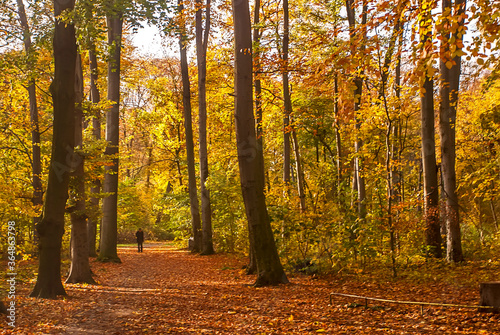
{"points": [[450, 82], [338, 142], [257, 65], [250, 156], [286, 97], [109, 226], [95, 98], [207, 246], [431, 193], [188, 127], [79, 271], [300, 172], [36, 167], [51, 227], [358, 91]]}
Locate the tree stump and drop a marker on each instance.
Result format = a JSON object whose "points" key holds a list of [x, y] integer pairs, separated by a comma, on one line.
{"points": [[490, 296]]}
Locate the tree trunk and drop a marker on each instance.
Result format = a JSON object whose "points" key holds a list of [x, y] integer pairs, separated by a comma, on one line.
{"points": [[358, 90], [109, 226], [250, 156], [431, 194], [389, 142], [338, 142], [188, 127], [207, 246], [300, 173], [286, 97], [79, 271], [95, 98], [51, 227], [37, 199], [450, 81], [252, 265]]}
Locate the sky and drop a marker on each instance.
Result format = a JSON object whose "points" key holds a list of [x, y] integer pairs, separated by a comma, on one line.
{"points": [[149, 42]]}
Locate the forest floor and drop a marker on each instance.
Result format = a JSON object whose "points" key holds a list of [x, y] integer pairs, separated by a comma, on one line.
{"points": [[165, 290]]}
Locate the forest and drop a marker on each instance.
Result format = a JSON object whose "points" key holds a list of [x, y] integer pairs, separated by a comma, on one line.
{"points": [[317, 138]]}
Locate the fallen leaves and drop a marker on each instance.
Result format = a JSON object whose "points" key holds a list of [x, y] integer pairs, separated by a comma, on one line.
{"points": [[169, 291]]}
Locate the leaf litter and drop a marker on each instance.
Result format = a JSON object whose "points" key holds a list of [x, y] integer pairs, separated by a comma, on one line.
{"points": [[170, 291]]}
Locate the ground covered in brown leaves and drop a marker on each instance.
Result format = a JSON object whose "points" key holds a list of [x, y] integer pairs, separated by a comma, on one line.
{"points": [[169, 291]]}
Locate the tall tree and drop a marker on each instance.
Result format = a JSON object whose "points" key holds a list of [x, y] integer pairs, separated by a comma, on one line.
{"points": [[37, 199], [188, 127], [51, 227], [286, 96], [95, 98], [79, 271], [250, 155], [109, 225], [96, 133], [431, 191], [452, 31], [207, 246], [300, 172], [257, 66], [289, 134], [357, 38], [391, 130]]}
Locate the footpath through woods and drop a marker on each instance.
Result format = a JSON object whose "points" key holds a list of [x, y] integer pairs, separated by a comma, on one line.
{"points": [[168, 291]]}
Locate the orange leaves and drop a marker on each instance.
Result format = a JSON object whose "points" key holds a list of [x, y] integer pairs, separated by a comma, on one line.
{"points": [[170, 291]]}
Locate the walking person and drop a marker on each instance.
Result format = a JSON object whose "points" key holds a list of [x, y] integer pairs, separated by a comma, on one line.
{"points": [[140, 239]]}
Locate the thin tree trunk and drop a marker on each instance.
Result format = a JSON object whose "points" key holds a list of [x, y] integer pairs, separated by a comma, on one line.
{"points": [[109, 227], [450, 82], [494, 214], [396, 151], [36, 167], [250, 155], [252, 265], [389, 142], [188, 126], [300, 173], [358, 84], [286, 97], [51, 227], [79, 271], [431, 193], [207, 246], [338, 141], [95, 98]]}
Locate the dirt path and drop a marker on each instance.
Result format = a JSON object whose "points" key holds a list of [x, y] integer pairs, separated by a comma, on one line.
{"points": [[164, 291]]}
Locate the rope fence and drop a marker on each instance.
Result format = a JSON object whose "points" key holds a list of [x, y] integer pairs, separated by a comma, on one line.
{"points": [[418, 303]]}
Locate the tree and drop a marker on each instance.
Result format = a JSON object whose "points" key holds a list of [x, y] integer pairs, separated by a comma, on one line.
{"points": [[109, 225], [35, 128], [452, 31], [79, 271], [250, 156], [207, 247], [95, 99], [431, 190], [51, 227], [188, 127], [354, 38], [289, 133], [286, 96]]}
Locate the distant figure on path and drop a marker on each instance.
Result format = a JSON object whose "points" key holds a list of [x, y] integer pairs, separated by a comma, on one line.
{"points": [[140, 239]]}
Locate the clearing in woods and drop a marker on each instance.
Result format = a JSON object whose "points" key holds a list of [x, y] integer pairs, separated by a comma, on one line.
{"points": [[170, 291]]}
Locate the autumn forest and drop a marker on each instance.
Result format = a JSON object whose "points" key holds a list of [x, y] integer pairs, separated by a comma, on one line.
{"points": [[325, 139]]}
